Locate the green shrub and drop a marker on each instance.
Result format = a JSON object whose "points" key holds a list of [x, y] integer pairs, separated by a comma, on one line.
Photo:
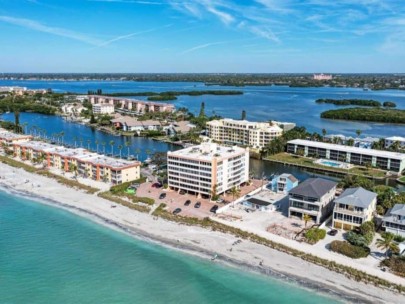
{"points": [[396, 264], [399, 238], [145, 200], [347, 249], [357, 239], [118, 189], [315, 234]]}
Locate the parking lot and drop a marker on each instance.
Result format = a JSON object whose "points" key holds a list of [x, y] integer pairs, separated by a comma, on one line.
{"points": [[175, 200]]}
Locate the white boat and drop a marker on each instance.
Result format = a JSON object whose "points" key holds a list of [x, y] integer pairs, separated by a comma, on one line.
{"points": [[148, 160]]}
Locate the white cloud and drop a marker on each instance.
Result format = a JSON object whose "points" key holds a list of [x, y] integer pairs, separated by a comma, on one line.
{"points": [[39, 27]]}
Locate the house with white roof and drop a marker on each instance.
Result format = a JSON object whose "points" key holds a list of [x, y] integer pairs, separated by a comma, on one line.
{"points": [[390, 140], [394, 220], [354, 207]]}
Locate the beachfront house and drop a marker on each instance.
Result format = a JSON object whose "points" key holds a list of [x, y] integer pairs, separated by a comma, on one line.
{"points": [[354, 207], [394, 220], [283, 183], [266, 200], [314, 197]]}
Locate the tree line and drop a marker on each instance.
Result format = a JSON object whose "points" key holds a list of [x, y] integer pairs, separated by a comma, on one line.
{"points": [[367, 114], [357, 102]]}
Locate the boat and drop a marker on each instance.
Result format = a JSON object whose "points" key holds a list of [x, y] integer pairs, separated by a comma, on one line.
{"points": [[148, 160]]}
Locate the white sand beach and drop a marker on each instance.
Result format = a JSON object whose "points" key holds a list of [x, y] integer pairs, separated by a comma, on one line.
{"points": [[195, 240]]}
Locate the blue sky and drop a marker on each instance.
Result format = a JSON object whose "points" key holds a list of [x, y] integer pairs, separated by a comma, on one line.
{"points": [[266, 36]]}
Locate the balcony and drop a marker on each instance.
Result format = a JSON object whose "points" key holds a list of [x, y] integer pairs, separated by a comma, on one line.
{"points": [[351, 212]]}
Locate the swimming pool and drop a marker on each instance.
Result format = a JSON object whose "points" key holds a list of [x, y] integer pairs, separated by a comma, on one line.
{"points": [[332, 163]]}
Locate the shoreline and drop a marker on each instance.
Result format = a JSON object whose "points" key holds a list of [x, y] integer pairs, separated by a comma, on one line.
{"points": [[277, 265]]}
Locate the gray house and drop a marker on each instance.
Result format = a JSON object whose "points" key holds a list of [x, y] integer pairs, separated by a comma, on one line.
{"points": [[354, 207], [314, 197], [394, 220]]}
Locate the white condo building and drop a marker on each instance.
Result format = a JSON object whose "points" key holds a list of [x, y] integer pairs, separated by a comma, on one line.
{"points": [[103, 108], [390, 140], [243, 132], [199, 169]]}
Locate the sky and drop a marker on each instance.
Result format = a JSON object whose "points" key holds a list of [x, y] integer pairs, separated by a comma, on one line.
{"points": [[204, 36]]}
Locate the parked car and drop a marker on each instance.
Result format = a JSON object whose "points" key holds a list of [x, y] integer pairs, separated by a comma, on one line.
{"points": [[333, 232], [182, 192], [162, 195], [220, 200], [177, 211], [214, 209], [156, 185], [197, 205], [187, 203]]}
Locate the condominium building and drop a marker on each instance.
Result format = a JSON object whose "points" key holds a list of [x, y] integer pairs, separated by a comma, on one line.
{"points": [[207, 168], [79, 160], [313, 197], [10, 138], [354, 207], [358, 156], [132, 105], [394, 220], [103, 108], [243, 132], [390, 140], [323, 77]]}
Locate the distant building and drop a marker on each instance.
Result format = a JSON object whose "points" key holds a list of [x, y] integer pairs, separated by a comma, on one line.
{"points": [[358, 156], [243, 132], [132, 105], [207, 167], [72, 108], [323, 77], [130, 124], [314, 197], [394, 220], [179, 127], [354, 207], [283, 183], [390, 140], [364, 142], [103, 108]]}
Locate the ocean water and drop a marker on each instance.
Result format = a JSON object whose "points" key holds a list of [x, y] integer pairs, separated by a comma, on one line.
{"points": [[260, 102], [48, 255]]}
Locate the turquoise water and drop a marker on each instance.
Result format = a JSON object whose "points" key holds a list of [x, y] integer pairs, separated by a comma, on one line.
{"points": [[48, 255]]}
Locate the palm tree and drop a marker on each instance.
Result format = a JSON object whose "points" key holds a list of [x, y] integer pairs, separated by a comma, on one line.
{"points": [[120, 148], [148, 152], [81, 142], [358, 132], [112, 143], [396, 145], [24, 127], [75, 140], [96, 142], [235, 192], [387, 243], [127, 144], [306, 218], [137, 151], [103, 143], [88, 144], [73, 168], [62, 134], [323, 134]]}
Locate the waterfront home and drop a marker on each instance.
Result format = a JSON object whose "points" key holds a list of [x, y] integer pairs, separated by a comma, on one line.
{"points": [[313, 197], [207, 168], [130, 124], [266, 200], [354, 207], [389, 141], [9, 138], [357, 156], [394, 220], [178, 127], [322, 77], [72, 108], [80, 161], [103, 108], [132, 105], [283, 183], [243, 132]]}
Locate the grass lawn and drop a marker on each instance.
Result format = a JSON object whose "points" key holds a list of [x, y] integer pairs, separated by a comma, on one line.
{"points": [[309, 162]]}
